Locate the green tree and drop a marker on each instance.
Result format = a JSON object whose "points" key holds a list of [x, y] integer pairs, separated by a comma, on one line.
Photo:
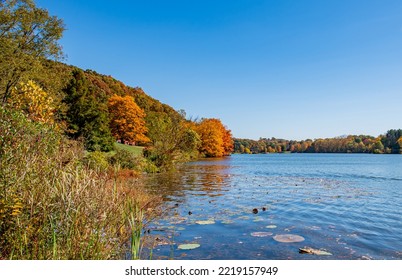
{"points": [[173, 140], [87, 114], [390, 140], [28, 38]]}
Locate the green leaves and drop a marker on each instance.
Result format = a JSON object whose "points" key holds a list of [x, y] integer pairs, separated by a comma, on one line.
{"points": [[28, 36]]}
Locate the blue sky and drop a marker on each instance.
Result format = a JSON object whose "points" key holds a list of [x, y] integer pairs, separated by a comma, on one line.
{"points": [[273, 68]]}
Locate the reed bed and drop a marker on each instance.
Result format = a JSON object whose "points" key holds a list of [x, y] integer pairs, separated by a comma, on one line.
{"points": [[54, 206]]}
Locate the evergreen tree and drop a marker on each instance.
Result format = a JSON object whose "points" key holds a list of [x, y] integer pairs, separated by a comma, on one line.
{"points": [[87, 114]]}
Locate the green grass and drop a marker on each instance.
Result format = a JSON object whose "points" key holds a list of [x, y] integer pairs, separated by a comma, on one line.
{"points": [[136, 150]]}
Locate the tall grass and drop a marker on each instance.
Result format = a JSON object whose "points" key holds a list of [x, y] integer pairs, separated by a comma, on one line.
{"points": [[54, 206]]}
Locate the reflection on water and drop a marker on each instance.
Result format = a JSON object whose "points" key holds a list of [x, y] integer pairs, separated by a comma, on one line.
{"points": [[348, 205]]}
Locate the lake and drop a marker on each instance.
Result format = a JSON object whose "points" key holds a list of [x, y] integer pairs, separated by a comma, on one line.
{"points": [[239, 207]]}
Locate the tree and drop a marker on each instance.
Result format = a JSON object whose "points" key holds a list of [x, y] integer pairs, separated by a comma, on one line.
{"points": [[87, 114], [173, 139], [34, 101], [28, 37], [216, 140], [390, 140], [127, 121]]}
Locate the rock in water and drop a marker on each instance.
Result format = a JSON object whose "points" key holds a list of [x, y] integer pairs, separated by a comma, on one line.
{"points": [[312, 251]]}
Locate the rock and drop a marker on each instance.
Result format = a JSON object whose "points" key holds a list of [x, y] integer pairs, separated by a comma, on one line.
{"points": [[312, 251]]}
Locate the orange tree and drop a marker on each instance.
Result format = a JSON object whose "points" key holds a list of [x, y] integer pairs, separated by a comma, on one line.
{"points": [[216, 139], [127, 121]]}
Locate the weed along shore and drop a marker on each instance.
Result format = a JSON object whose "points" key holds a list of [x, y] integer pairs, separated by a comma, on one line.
{"points": [[55, 205]]}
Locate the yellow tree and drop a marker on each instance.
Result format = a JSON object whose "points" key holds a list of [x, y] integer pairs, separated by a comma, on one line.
{"points": [[127, 121], [34, 101]]}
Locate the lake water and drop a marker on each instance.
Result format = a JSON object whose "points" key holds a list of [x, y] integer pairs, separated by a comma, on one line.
{"points": [[349, 205]]}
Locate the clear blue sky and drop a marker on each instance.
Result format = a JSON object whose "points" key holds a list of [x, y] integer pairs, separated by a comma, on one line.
{"points": [[276, 68]]}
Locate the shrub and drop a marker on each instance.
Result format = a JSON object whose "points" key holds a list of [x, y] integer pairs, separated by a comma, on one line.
{"points": [[97, 161]]}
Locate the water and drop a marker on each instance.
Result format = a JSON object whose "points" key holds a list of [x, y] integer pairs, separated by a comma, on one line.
{"points": [[349, 205]]}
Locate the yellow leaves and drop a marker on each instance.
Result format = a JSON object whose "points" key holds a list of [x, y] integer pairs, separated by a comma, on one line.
{"points": [[12, 207], [33, 100]]}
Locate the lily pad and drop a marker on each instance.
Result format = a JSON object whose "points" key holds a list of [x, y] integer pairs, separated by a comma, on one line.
{"points": [[206, 222], [190, 246], [312, 251], [288, 238], [261, 234], [271, 226]]}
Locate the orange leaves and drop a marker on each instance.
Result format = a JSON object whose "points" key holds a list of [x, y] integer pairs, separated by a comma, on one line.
{"points": [[127, 119], [216, 139]]}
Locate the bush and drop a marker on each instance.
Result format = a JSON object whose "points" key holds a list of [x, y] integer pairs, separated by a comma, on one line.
{"points": [[126, 159], [97, 160]]}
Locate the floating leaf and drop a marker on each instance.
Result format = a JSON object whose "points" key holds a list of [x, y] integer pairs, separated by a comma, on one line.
{"points": [[271, 226], [190, 246], [311, 251], [288, 238], [206, 222], [261, 234]]}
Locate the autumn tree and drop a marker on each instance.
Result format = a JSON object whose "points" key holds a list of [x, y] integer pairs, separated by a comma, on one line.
{"points": [[216, 140], [127, 121], [87, 115], [28, 38], [34, 101]]}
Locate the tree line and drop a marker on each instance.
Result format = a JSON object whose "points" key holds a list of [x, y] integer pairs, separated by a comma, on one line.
{"points": [[95, 109], [389, 143]]}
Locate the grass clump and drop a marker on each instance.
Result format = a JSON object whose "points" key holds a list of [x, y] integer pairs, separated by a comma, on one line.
{"points": [[58, 203]]}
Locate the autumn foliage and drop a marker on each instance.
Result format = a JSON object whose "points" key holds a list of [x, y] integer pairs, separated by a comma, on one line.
{"points": [[127, 120], [34, 101], [216, 139]]}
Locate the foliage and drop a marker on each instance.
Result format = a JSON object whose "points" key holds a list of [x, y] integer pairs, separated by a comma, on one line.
{"points": [[387, 143], [126, 159], [127, 121], [52, 206], [390, 140], [28, 37], [173, 140], [87, 114], [34, 101], [97, 161], [216, 139]]}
